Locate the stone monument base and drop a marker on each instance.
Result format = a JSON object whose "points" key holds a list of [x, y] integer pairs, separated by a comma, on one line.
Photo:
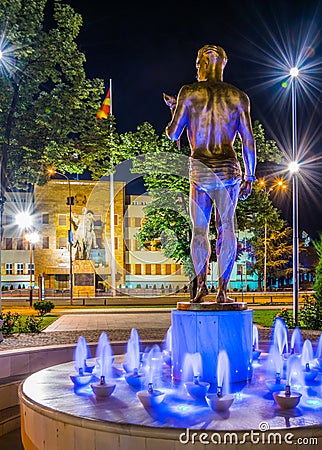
{"points": [[84, 278], [209, 331]]}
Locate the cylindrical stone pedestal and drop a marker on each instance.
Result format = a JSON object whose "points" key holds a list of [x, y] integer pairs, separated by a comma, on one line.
{"points": [[209, 331]]}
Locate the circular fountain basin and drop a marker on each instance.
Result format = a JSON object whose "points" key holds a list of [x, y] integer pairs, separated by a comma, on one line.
{"points": [[220, 404], [197, 390], [103, 390], [310, 375], [81, 380], [134, 379], [287, 401], [57, 415], [150, 399], [272, 386]]}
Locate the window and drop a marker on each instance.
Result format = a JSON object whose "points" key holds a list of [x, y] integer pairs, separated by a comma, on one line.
{"points": [[45, 242], [20, 244], [8, 268], [45, 219], [62, 242], [148, 269], [32, 269], [137, 269], [128, 244], [116, 243], [8, 243], [62, 220], [158, 269], [19, 269], [128, 268], [8, 219], [135, 203], [178, 269], [168, 269], [116, 219]]}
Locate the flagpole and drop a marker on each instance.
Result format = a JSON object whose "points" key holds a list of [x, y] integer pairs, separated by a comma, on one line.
{"points": [[112, 223]]}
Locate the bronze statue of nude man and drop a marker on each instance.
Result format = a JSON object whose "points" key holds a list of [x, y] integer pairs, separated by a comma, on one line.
{"points": [[213, 113]]}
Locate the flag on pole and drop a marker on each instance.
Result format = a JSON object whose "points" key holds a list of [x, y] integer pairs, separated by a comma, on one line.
{"points": [[106, 107]]}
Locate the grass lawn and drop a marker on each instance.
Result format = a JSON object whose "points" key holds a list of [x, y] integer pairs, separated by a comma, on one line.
{"points": [[47, 320], [265, 317]]}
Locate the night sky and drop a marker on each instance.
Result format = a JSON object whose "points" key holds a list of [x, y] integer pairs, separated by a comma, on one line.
{"points": [[150, 48]]}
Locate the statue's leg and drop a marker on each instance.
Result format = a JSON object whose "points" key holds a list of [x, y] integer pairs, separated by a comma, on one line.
{"points": [[200, 212], [226, 201]]}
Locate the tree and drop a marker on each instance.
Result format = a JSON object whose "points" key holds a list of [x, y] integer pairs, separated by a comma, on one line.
{"points": [[166, 178], [48, 106]]}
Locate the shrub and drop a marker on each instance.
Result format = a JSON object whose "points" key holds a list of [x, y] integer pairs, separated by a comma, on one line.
{"points": [[310, 314], [32, 324], [287, 316], [43, 307], [10, 320]]}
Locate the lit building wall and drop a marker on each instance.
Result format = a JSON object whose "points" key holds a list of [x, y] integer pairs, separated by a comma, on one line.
{"points": [[147, 268], [52, 212]]}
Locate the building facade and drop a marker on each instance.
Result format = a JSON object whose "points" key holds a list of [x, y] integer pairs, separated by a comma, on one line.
{"points": [[135, 268]]}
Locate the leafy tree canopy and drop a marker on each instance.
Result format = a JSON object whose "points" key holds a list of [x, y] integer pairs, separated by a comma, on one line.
{"points": [[47, 104]]}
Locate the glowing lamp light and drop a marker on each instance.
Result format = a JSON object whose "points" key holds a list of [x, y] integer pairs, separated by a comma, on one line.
{"points": [[32, 237], [294, 72], [294, 167], [24, 219]]}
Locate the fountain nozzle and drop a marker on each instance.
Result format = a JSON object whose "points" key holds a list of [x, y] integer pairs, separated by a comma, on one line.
{"points": [[102, 380], [287, 390], [292, 351], [150, 388], [196, 379], [81, 371], [278, 378], [219, 391], [307, 367]]}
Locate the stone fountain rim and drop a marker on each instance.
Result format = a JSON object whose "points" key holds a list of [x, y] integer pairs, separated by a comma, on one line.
{"points": [[142, 430]]}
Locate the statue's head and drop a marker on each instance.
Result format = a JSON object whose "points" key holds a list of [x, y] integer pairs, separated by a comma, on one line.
{"points": [[210, 56]]}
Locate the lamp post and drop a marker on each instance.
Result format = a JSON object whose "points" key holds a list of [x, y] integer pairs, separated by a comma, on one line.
{"points": [[70, 202], [294, 168], [31, 237]]}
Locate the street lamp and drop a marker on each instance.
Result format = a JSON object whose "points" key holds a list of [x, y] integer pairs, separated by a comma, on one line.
{"points": [[32, 237], [70, 202], [294, 168]]}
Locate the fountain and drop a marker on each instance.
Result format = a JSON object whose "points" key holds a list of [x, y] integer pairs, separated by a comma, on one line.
{"points": [[134, 376], [192, 368], [153, 362], [256, 351], [83, 372], [275, 365], [222, 400], [318, 353], [167, 350], [280, 336], [289, 399], [103, 389], [307, 361], [156, 413]]}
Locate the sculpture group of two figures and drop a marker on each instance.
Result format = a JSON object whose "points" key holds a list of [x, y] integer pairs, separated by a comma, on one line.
{"points": [[213, 112]]}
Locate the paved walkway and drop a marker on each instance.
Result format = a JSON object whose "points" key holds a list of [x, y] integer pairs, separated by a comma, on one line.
{"points": [[107, 320]]}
